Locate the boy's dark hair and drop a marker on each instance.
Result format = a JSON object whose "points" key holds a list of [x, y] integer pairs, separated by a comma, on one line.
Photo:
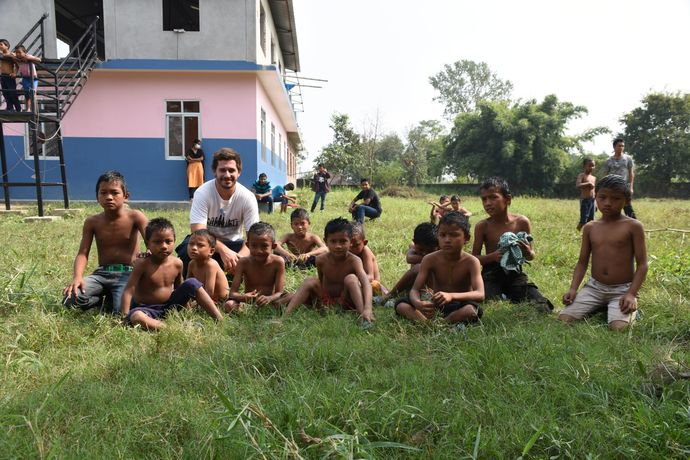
{"points": [[614, 182], [358, 230], [204, 233], [226, 154], [4, 40], [587, 161], [112, 176], [443, 198], [261, 229], [454, 198], [19, 48], [196, 141], [456, 218], [158, 225], [289, 186], [498, 183], [338, 225], [617, 141], [299, 213], [363, 180], [425, 235], [263, 175]]}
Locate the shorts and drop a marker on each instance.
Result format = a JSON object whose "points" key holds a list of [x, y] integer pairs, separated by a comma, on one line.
{"points": [[103, 287], [596, 296], [26, 84], [181, 251], [447, 309], [515, 286], [328, 301], [179, 297]]}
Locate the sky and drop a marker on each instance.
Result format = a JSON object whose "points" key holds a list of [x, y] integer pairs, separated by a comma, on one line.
{"points": [[378, 55]]}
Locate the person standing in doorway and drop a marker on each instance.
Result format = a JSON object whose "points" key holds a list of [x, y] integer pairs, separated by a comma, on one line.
{"points": [[621, 164], [320, 186], [195, 167]]}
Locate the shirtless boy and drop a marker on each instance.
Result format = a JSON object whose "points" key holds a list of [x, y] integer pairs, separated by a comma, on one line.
{"points": [[359, 247], [585, 184], [262, 271], [453, 277], [8, 74], [149, 294], [496, 198], [438, 209], [302, 246], [424, 241], [204, 268], [616, 244], [342, 279], [115, 231]]}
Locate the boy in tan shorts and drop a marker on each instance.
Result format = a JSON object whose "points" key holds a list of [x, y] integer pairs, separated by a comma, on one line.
{"points": [[619, 260]]}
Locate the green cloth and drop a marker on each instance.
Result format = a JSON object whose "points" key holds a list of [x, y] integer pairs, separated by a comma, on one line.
{"points": [[512, 258]]}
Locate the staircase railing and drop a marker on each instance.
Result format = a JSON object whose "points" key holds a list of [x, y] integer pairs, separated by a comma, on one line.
{"points": [[37, 45]]}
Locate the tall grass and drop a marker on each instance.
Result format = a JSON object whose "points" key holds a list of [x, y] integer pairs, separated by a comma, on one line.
{"points": [[79, 385]]}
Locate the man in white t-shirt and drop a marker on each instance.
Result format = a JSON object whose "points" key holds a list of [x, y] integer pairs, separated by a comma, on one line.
{"points": [[223, 206], [622, 165]]}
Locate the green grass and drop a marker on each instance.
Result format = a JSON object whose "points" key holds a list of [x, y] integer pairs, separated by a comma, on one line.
{"points": [[78, 385]]}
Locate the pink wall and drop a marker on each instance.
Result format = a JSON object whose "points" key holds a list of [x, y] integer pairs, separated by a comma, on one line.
{"points": [[132, 104]]}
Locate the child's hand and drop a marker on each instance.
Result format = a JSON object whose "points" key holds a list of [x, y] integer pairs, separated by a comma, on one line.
{"points": [[495, 256], [427, 308], [76, 287], [569, 297], [441, 298], [251, 296], [628, 303], [263, 300], [526, 250], [302, 258]]}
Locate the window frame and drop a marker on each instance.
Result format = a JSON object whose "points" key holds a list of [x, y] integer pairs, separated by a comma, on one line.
{"points": [[263, 134], [180, 114], [273, 144], [42, 155], [172, 28]]}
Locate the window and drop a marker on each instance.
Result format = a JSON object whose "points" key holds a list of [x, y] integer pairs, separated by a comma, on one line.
{"points": [[47, 142], [262, 28], [182, 127], [280, 151], [273, 144], [263, 135], [181, 14]]}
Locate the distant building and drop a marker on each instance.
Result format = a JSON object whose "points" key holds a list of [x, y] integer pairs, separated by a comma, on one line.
{"points": [[169, 71]]}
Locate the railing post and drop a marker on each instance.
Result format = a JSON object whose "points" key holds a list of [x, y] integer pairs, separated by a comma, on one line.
{"points": [[33, 136], [43, 38], [5, 178]]}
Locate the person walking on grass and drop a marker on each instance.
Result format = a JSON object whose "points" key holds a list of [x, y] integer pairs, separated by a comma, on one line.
{"points": [[320, 186]]}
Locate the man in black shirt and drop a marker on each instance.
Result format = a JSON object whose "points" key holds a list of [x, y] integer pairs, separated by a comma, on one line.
{"points": [[320, 186], [370, 207]]}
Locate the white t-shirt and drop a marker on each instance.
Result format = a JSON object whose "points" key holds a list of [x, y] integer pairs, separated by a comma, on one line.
{"points": [[224, 218]]}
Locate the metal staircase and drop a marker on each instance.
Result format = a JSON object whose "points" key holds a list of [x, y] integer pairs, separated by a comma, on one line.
{"points": [[59, 83]]}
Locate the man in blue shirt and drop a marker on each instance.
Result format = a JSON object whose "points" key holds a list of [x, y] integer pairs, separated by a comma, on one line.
{"points": [[280, 196]]}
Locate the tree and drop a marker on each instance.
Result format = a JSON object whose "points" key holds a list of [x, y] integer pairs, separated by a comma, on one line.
{"points": [[522, 142], [658, 135], [344, 154], [423, 156], [463, 84]]}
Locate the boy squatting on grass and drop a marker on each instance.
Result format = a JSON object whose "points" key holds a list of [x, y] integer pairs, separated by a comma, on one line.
{"points": [[616, 244], [115, 231], [496, 199], [424, 241], [204, 268], [358, 246], [342, 279], [302, 246], [262, 271], [585, 184], [149, 294], [453, 276]]}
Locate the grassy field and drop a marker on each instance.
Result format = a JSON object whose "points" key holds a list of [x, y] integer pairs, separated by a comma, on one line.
{"points": [[79, 385]]}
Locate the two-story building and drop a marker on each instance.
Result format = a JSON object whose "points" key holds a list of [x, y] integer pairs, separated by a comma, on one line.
{"points": [[170, 71]]}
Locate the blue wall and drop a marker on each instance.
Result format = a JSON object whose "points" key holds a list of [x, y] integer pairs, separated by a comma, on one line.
{"points": [[150, 177]]}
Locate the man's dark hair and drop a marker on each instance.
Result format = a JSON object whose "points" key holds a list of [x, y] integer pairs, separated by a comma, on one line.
{"points": [[112, 176], [321, 165], [300, 213], [289, 186], [262, 175], [19, 48], [262, 229], [336, 225], [363, 180], [158, 225], [456, 218], [196, 141], [358, 230], [425, 235], [204, 233], [614, 182], [498, 183], [617, 141], [226, 154], [4, 40], [587, 161]]}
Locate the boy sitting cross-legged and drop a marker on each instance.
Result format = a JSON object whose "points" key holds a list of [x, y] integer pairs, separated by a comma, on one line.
{"points": [[115, 231], [302, 246], [359, 247], [453, 276], [619, 260], [342, 279], [500, 280], [156, 286], [262, 271], [203, 267]]}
